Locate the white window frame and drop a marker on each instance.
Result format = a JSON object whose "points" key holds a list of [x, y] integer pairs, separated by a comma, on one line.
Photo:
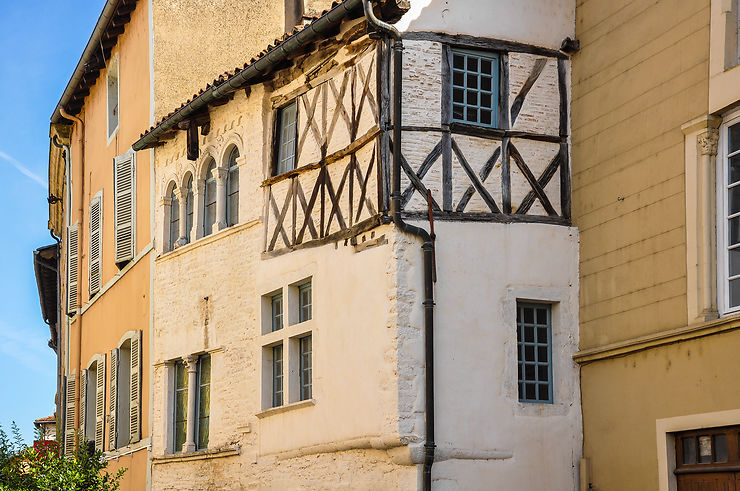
{"points": [[722, 171]]}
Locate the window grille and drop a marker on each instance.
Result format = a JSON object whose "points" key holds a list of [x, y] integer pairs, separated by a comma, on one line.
{"points": [[534, 349], [475, 88]]}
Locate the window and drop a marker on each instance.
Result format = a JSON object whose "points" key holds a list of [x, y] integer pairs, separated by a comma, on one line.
{"points": [[304, 302], [475, 88], [174, 218], [204, 400], [112, 95], [287, 349], [209, 203], [305, 368], [189, 209], [276, 302], [534, 350], [181, 404], [732, 217], [232, 190], [95, 243], [287, 136], [124, 417], [124, 207], [92, 401], [72, 267]]}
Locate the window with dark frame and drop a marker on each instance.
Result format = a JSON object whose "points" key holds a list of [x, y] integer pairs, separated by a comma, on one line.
{"points": [[277, 375], [286, 138], [475, 80], [304, 302], [707, 447], [209, 203], [174, 219], [181, 405], [305, 353], [534, 351], [204, 401], [232, 189], [189, 209]]}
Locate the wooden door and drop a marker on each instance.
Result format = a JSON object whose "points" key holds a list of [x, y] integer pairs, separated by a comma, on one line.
{"points": [[719, 481]]}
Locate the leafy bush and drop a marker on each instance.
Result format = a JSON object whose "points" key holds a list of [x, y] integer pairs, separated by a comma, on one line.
{"points": [[43, 466]]}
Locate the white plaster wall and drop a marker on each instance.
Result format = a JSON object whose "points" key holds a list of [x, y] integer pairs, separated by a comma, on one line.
{"points": [[541, 22], [482, 270]]}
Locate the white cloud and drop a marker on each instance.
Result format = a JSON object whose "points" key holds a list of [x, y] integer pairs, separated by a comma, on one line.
{"points": [[23, 169]]}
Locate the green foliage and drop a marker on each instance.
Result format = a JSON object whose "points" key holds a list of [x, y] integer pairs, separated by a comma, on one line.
{"points": [[43, 467]]}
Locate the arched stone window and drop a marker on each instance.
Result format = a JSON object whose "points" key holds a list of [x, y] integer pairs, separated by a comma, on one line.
{"points": [[232, 189], [189, 207], [209, 201], [174, 218]]}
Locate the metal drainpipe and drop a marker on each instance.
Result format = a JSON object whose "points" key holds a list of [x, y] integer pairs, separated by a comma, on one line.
{"points": [[427, 246], [77, 361]]}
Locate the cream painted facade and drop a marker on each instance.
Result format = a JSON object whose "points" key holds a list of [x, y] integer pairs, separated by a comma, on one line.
{"points": [[654, 87], [364, 425]]}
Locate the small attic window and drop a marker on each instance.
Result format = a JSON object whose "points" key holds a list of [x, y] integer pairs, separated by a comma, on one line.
{"points": [[112, 95]]}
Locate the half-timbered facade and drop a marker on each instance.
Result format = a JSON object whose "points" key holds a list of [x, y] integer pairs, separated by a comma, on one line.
{"points": [[288, 337]]}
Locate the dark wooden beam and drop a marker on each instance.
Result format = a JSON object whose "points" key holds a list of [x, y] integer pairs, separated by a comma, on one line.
{"points": [[474, 42]]}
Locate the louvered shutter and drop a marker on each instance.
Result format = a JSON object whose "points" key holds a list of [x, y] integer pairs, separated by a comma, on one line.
{"points": [[83, 405], [96, 218], [69, 416], [135, 392], [124, 206], [100, 404], [72, 268], [113, 399]]}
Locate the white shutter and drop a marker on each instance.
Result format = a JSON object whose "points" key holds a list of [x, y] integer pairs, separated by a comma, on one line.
{"points": [[113, 399], [96, 243], [124, 206], [83, 405], [100, 403], [72, 268], [135, 393], [69, 415]]}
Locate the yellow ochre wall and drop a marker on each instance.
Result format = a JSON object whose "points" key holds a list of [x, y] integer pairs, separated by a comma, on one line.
{"points": [[641, 73], [124, 305]]}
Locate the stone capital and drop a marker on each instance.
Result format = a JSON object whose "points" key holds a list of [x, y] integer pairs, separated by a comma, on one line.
{"points": [[167, 201], [240, 161], [220, 173], [192, 363], [181, 194], [708, 142]]}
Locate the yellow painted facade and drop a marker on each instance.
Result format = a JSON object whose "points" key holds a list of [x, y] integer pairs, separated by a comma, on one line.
{"points": [[657, 350]]}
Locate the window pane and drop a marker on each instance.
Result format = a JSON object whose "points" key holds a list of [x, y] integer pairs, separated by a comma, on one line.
{"points": [[232, 201], [735, 292], [734, 169], [458, 79], [543, 373], [485, 83], [458, 112], [471, 114], [204, 400], [472, 98], [544, 392], [689, 450], [472, 81], [705, 449], [542, 316], [458, 61], [542, 335], [306, 367], [530, 392], [529, 372], [529, 352], [277, 376], [486, 66], [529, 315], [734, 143], [720, 448], [542, 354], [472, 64], [733, 259], [304, 301], [734, 231], [174, 219]]}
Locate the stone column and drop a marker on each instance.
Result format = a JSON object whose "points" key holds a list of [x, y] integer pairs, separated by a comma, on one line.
{"points": [[182, 195], [708, 153], [199, 192], [221, 174], [192, 363]]}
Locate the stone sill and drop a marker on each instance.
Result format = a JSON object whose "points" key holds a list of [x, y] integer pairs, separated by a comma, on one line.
{"points": [[208, 239], [215, 453], [285, 408]]}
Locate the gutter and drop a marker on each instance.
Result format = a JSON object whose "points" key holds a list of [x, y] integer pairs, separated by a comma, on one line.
{"points": [[93, 44], [427, 246], [262, 66]]}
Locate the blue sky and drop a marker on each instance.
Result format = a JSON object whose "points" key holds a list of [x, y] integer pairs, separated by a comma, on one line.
{"points": [[40, 44]]}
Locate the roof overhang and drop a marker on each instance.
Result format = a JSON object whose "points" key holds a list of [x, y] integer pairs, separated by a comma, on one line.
{"points": [[115, 15], [46, 267]]}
